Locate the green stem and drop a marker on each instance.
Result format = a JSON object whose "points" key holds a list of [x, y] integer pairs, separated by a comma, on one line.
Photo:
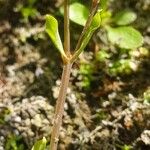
{"points": [[78, 50]]}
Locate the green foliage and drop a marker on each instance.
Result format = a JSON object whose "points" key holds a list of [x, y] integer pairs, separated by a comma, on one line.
{"points": [[13, 143], [147, 96], [94, 25], [124, 17], [77, 10], [29, 10], [103, 4], [119, 35], [125, 37], [101, 115], [3, 113], [89, 32], [78, 13], [122, 66], [40, 145], [125, 147], [86, 70], [102, 55], [51, 27]]}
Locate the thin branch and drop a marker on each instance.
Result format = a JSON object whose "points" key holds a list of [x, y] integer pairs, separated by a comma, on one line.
{"points": [[66, 28], [94, 9]]}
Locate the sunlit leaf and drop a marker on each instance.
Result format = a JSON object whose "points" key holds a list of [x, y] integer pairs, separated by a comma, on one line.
{"points": [[125, 37], [94, 25], [51, 28], [125, 17], [40, 145], [78, 13]]}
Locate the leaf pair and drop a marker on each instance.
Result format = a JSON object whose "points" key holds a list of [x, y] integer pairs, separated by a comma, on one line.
{"points": [[125, 36], [52, 28]]}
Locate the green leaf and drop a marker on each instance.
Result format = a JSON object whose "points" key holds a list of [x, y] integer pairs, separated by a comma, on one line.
{"points": [[51, 27], [40, 145], [102, 55], [78, 13], [28, 12], [103, 4], [94, 25], [125, 37], [125, 17]]}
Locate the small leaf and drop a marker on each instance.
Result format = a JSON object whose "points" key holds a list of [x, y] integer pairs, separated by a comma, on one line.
{"points": [[78, 13], [51, 27], [94, 25], [102, 55], [28, 12], [103, 4], [125, 17], [40, 145], [125, 37]]}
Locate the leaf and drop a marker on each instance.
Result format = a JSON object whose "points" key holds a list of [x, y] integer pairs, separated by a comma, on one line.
{"points": [[102, 55], [28, 12], [103, 4], [125, 37], [51, 27], [40, 145], [125, 17], [78, 13], [94, 25]]}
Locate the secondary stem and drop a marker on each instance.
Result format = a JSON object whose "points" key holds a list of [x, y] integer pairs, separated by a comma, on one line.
{"points": [[60, 106], [94, 9]]}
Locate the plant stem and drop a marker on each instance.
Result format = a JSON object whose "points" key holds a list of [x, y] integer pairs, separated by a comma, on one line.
{"points": [[60, 106], [94, 9], [66, 28], [88, 23], [64, 82]]}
